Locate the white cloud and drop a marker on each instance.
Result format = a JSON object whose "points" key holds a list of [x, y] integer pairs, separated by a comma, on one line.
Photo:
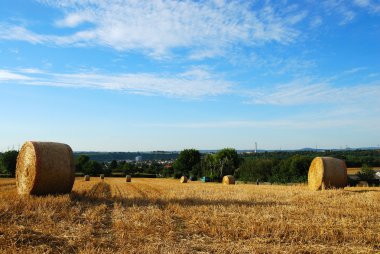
{"points": [[205, 29], [362, 3], [372, 6], [6, 75], [31, 70], [307, 91], [12, 32], [75, 19], [341, 116], [316, 22], [194, 83], [289, 123]]}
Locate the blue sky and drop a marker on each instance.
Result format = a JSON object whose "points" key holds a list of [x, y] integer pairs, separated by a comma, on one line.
{"points": [[168, 75]]}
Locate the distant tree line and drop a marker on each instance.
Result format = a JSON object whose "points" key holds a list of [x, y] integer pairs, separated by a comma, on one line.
{"points": [[275, 166], [123, 156], [86, 166], [228, 162], [8, 162]]}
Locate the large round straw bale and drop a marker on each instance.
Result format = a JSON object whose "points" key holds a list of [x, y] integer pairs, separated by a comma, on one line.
{"points": [[128, 178], [228, 179], [102, 176], [183, 179], [44, 168], [326, 173], [87, 178]]}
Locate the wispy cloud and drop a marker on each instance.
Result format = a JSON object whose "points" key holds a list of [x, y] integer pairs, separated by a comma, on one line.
{"points": [[348, 11], [289, 123], [311, 121], [205, 29], [31, 70], [370, 5], [194, 83], [6, 75], [311, 92]]}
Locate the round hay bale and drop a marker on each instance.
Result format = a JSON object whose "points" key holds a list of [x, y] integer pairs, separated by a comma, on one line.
{"points": [[183, 179], [102, 176], [87, 178], [327, 173], [228, 179], [362, 184], [45, 168], [128, 178]]}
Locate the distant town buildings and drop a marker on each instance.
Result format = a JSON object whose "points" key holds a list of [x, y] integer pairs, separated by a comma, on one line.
{"points": [[138, 158]]}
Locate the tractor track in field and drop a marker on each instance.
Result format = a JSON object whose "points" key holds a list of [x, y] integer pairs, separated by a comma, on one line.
{"points": [[102, 229], [141, 193], [149, 189], [117, 191]]}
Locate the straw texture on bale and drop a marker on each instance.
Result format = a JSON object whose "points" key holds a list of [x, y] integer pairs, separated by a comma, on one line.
{"points": [[87, 178], [183, 179], [128, 178], [228, 179], [102, 176], [327, 173], [362, 184], [44, 168]]}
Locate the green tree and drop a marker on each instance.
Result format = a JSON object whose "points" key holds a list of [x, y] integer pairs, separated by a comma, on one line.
{"points": [[253, 169], [106, 169], [168, 171], [8, 161], [366, 173], [299, 168], [129, 168], [80, 161], [280, 172], [230, 154], [210, 166], [93, 168], [185, 162], [196, 170], [227, 161], [113, 165]]}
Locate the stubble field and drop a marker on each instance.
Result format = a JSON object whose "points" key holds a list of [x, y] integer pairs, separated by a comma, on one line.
{"points": [[164, 216]]}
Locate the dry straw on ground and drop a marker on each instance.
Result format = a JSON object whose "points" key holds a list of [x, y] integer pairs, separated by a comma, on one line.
{"points": [[327, 173], [87, 178], [44, 168], [164, 216], [228, 179], [183, 179], [128, 178]]}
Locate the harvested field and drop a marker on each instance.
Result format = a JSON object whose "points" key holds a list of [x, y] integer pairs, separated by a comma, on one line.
{"points": [[165, 216]]}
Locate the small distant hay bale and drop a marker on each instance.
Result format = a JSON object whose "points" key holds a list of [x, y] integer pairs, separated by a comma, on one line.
{"points": [[183, 179], [128, 178], [87, 178], [327, 173], [362, 184], [228, 179], [102, 176], [45, 168]]}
